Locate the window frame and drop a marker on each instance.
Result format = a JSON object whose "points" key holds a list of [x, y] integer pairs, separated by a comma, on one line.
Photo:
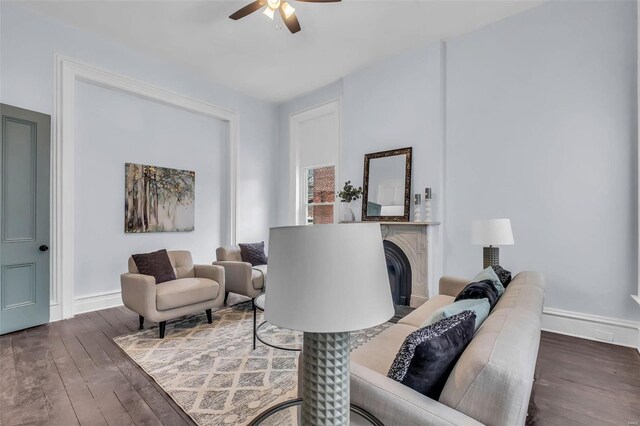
{"points": [[305, 193]]}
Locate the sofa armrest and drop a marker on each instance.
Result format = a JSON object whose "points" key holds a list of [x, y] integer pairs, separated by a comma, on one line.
{"points": [[237, 276], [212, 272], [452, 286], [398, 405], [139, 293]]}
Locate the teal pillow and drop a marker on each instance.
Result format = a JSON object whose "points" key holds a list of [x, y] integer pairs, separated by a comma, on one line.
{"points": [[480, 307], [490, 274]]}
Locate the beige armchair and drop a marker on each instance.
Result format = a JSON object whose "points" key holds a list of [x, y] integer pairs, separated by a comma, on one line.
{"points": [[197, 288], [241, 277]]}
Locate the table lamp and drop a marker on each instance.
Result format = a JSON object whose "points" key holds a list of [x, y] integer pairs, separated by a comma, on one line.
{"points": [[490, 233], [327, 280]]}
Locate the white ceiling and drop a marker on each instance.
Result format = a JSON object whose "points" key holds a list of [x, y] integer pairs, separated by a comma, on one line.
{"points": [[253, 57]]}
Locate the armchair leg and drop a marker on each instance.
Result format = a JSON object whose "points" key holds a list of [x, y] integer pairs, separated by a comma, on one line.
{"points": [[209, 319], [141, 318], [163, 326], [226, 296]]}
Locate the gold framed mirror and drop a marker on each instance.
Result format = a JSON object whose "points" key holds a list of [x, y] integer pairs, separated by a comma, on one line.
{"points": [[387, 186]]}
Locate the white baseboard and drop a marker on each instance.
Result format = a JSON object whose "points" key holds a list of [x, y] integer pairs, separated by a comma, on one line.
{"points": [[592, 327], [55, 312], [97, 301]]}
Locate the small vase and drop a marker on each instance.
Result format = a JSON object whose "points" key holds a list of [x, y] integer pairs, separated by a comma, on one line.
{"points": [[348, 215]]}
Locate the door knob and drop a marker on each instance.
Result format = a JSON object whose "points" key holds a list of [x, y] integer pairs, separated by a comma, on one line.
{"points": [[43, 247]]}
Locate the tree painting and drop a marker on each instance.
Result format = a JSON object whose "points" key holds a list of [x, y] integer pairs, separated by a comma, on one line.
{"points": [[158, 199]]}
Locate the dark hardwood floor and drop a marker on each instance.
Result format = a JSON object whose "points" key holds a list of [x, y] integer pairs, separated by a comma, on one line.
{"points": [[70, 372]]}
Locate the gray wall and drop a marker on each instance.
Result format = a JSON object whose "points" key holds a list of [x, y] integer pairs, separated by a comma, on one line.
{"points": [[541, 123], [28, 44], [541, 128]]}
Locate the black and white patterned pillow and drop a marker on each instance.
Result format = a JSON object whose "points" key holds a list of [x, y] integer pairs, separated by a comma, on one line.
{"points": [[253, 253], [428, 355], [503, 274]]}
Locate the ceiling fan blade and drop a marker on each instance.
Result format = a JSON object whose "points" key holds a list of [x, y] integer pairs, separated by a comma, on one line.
{"points": [[247, 10], [291, 22]]}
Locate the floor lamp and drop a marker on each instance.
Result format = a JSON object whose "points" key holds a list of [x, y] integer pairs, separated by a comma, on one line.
{"points": [[327, 280]]}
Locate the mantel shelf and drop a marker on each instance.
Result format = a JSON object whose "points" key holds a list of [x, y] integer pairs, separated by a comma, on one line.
{"points": [[399, 223]]}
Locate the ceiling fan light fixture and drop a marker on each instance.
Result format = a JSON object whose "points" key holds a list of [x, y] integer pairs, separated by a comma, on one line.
{"points": [[287, 9], [269, 12], [273, 4]]}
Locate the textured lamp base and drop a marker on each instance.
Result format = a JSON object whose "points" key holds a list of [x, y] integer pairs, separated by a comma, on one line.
{"points": [[325, 393], [490, 256]]}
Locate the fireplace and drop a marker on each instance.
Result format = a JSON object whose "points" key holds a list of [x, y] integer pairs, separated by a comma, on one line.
{"points": [[399, 269]]}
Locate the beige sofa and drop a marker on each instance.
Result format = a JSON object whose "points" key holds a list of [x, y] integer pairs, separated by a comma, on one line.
{"points": [[491, 382], [197, 288], [241, 277]]}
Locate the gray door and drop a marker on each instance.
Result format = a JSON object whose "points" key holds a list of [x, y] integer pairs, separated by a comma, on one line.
{"points": [[24, 218]]}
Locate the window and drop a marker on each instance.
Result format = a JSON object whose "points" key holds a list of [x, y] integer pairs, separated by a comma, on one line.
{"points": [[320, 196]]}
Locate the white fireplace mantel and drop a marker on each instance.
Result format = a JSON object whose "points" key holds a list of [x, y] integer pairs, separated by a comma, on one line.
{"points": [[415, 240]]}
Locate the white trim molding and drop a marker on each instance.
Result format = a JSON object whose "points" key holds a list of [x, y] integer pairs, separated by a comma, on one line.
{"points": [[592, 327], [333, 106], [67, 73], [95, 302]]}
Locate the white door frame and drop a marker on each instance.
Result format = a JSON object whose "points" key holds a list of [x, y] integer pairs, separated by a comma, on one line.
{"points": [[67, 72], [295, 119]]}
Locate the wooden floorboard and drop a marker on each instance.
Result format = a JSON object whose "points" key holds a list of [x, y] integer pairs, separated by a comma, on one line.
{"points": [[72, 373]]}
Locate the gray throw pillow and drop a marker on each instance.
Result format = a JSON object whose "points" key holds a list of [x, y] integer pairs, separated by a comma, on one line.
{"points": [[156, 264], [253, 253], [428, 355]]}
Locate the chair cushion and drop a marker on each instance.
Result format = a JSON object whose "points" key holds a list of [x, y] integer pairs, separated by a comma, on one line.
{"points": [[184, 292], [228, 253], [156, 264], [259, 276], [253, 253]]}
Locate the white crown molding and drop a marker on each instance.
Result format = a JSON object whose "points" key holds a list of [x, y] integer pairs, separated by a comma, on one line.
{"points": [[67, 72], [592, 327]]}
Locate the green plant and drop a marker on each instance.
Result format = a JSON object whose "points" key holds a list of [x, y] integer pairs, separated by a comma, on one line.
{"points": [[349, 193]]}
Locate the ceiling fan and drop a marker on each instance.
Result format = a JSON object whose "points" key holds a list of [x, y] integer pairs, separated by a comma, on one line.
{"points": [[287, 12]]}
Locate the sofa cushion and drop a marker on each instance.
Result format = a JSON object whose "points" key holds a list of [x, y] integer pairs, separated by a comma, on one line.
{"points": [[253, 253], [489, 274], [378, 353], [424, 311], [428, 354], [480, 290], [480, 307], [259, 276], [156, 264], [184, 292], [503, 274]]}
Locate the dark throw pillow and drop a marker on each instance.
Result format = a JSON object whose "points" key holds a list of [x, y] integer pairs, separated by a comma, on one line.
{"points": [[480, 290], [156, 264], [253, 253], [428, 355], [503, 274]]}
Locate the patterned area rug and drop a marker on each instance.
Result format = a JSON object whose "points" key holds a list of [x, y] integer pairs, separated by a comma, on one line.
{"points": [[212, 371]]}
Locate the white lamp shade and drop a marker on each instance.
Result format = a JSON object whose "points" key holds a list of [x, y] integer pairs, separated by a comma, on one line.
{"points": [[491, 232], [327, 278]]}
